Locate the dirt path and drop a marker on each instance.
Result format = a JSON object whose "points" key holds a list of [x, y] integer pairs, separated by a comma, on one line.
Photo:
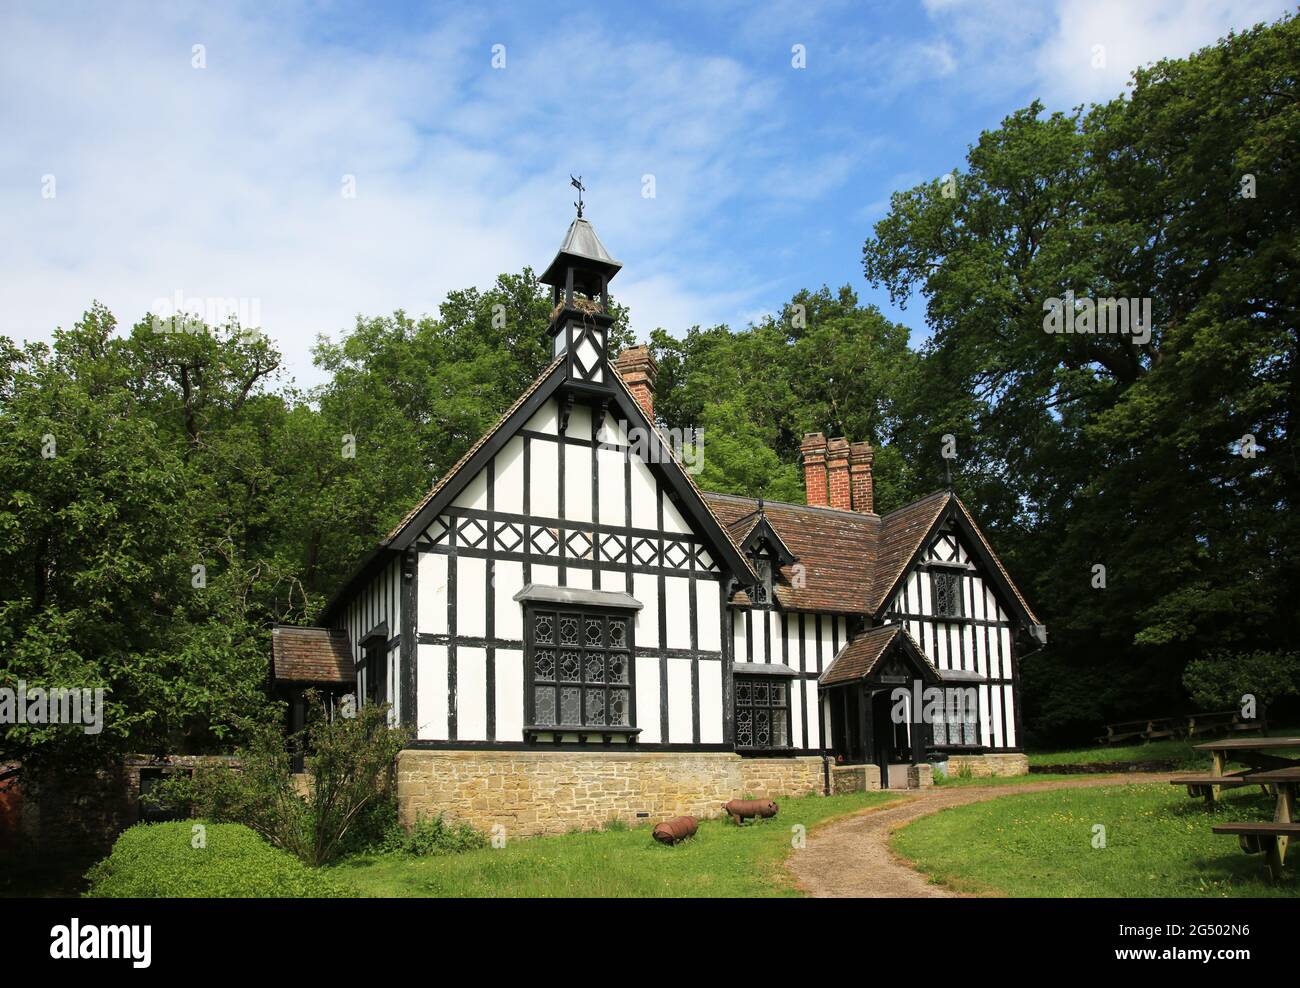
{"points": [[852, 859]]}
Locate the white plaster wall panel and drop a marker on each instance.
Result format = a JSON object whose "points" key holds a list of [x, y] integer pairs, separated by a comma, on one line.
{"points": [[613, 431], [673, 520], [545, 419], [432, 589], [545, 478], [579, 422], [645, 494], [471, 694], [739, 633], [471, 590], [578, 466], [680, 708], [645, 588], [798, 706], [647, 698], [508, 490], [810, 707], [546, 576], [509, 694], [710, 702], [431, 713], [474, 494], [613, 506], [758, 628], [810, 643], [1009, 698], [575, 576], [708, 610], [677, 609], [508, 580]]}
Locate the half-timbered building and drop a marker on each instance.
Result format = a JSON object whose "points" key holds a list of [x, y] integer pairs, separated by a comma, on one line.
{"points": [[573, 631]]}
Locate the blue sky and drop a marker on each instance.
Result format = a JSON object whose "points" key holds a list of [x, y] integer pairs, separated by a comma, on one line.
{"points": [[228, 180]]}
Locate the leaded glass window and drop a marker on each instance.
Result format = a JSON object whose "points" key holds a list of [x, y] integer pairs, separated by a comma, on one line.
{"points": [[763, 588], [946, 589], [958, 725], [762, 712], [581, 669]]}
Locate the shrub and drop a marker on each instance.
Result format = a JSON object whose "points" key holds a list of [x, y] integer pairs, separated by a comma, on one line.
{"points": [[349, 780], [160, 860], [430, 836]]}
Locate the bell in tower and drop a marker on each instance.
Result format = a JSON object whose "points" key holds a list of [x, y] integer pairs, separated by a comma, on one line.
{"points": [[580, 318]]}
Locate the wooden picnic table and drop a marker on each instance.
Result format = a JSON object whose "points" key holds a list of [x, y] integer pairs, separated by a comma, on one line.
{"points": [[1271, 838], [1254, 752], [1259, 754]]}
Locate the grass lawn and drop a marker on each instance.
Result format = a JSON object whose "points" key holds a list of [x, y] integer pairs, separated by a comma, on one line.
{"points": [[1158, 844], [720, 860], [948, 782], [1180, 752]]}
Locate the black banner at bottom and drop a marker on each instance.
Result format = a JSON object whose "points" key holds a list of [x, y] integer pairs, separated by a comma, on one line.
{"points": [[198, 938]]}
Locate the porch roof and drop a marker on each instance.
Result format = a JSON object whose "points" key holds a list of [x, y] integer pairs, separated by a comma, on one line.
{"points": [[312, 655], [859, 658]]}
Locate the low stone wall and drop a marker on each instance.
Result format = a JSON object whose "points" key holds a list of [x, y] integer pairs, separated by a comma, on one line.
{"points": [[854, 778], [986, 766], [552, 792]]}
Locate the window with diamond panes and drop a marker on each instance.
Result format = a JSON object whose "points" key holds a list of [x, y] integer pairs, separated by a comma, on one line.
{"points": [[762, 712], [581, 664], [946, 588], [763, 588], [958, 723]]}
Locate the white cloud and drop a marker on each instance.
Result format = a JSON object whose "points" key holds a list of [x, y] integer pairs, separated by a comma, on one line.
{"points": [[226, 181], [1098, 43]]}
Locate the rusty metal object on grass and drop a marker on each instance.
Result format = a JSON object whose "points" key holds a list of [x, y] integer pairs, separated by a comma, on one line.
{"points": [[743, 809], [675, 830]]}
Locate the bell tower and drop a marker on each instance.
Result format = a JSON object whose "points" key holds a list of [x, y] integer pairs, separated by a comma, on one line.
{"points": [[580, 318]]}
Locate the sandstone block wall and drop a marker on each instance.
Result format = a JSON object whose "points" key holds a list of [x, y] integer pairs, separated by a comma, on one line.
{"points": [[552, 792], [985, 766]]}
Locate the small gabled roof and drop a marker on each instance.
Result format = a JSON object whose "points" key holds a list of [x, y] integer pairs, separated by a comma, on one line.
{"points": [[859, 658], [311, 655], [755, 525]]}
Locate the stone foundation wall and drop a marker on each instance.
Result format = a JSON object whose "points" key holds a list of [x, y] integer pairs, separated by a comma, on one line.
{"points": [[985, 766], [552, 792]]}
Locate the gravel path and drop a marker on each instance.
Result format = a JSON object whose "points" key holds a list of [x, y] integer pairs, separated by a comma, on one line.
{"points": [[851, 858]]}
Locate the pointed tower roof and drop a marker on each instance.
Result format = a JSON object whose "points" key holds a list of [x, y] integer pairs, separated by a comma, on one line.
{"points": [[583, 251]]}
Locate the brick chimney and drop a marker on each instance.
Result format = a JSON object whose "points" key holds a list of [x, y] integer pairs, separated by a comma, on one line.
{"points": [[638, 370], [837, 474], [814, 468], [862, 487]]}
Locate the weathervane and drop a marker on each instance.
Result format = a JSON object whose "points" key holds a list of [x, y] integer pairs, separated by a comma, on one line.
{"points": [[577, 184]]}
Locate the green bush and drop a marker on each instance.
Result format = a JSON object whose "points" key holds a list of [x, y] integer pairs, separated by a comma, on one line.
{"points": [[335, 808], [161, 861], [430, 836]]}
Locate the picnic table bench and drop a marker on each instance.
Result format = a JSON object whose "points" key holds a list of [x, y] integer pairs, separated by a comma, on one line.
{"points": [[1258, 754], [1193, 726], [1148, 730], [1271, 839], [1221, 721]]}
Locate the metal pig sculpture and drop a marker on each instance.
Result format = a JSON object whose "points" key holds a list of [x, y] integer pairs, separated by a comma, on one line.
{"points": [[743, 809], [675, 830]]}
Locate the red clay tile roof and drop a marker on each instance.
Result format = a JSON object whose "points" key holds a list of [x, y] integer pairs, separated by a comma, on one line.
{"points": [[311, 655], [834, 548], [860, 657], [850, 561]]}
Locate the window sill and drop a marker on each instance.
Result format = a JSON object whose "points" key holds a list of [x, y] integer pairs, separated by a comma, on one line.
{"points": [[606, 734], [767, 752]]}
